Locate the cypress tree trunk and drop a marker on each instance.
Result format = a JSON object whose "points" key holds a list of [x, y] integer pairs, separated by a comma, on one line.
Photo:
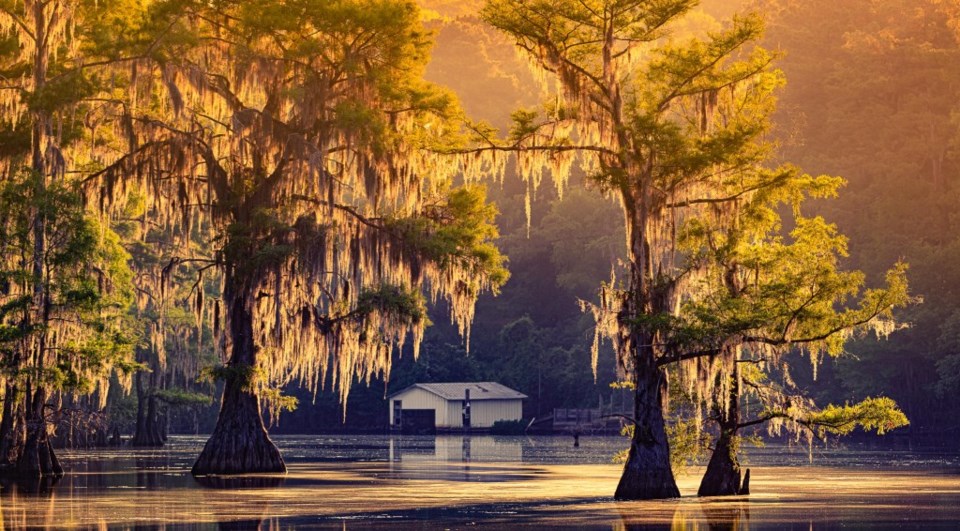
{"points": [[647, 474], [723, 475], [12, 432], [148, 422], [239, 444], [38, 458], [163, 421]]}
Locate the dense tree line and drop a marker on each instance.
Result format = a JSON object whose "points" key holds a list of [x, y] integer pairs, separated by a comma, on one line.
{"points": [[872, 97]]}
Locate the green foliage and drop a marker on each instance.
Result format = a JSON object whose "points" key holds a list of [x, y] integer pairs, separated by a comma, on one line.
{"points": [[401, 304], [259, 242], [176, 396], [525, 123], [689, 444], [275, 402], [459, 229], [252, 379], [877, 414], [794, 294], [248, 376], [86, 286]]}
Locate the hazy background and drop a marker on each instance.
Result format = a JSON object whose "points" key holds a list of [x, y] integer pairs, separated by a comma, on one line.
{"points": [[872, 96]]}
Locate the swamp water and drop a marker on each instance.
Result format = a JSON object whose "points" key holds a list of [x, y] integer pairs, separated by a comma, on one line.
{"points": [[454, 482]]}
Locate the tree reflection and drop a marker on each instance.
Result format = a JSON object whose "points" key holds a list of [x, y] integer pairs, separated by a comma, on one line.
{"points": [[726, 515], [649, 516], [241, 482], [18, 494], [27, 485], [259, 524], [707, 515]]}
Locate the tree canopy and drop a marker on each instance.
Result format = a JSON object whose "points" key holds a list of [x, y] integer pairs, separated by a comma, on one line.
{"points": [[675, 128], [272, 195]]}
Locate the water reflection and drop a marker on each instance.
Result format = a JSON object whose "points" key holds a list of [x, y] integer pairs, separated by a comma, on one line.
{"points": [[241, 482], [658, 521], [537, 449], [727, 515], [355, 482], [35, 486], [454, 448], [686, 514]]}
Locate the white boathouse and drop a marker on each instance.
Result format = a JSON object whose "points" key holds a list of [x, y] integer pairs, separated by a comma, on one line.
{"points": [[428, 407]]}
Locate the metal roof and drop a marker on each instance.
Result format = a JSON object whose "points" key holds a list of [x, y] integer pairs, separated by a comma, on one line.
{"points": [[457, 390]]}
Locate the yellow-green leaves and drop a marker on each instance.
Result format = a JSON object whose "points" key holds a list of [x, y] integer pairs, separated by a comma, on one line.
{"points": [[458, 232], [872, 414]]}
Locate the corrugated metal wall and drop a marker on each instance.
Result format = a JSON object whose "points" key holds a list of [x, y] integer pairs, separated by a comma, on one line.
{"points": [[484, 413]]}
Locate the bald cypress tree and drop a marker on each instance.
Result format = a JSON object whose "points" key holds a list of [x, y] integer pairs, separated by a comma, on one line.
{"points": [[301, 137], [176, 344], [657, 124], [63, 273], [676, 129], [762, 295]]}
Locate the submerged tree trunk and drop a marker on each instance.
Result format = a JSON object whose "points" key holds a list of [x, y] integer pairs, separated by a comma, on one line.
{"points": [[723, 475], [647, 474], [12, 427], [38, 458], [148, 432], [239, 444]]}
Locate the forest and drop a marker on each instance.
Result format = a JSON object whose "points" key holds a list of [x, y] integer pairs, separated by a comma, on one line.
{"points": [[243, 218]]}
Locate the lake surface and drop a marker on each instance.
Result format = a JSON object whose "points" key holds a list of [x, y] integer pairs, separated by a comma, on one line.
{"points": [[454, 482]]}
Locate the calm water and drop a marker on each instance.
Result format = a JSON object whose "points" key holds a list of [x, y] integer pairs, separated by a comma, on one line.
{"points": [[453, 482]]}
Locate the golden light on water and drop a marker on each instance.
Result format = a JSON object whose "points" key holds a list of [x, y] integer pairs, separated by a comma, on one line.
{"points": [[487, 494]]}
